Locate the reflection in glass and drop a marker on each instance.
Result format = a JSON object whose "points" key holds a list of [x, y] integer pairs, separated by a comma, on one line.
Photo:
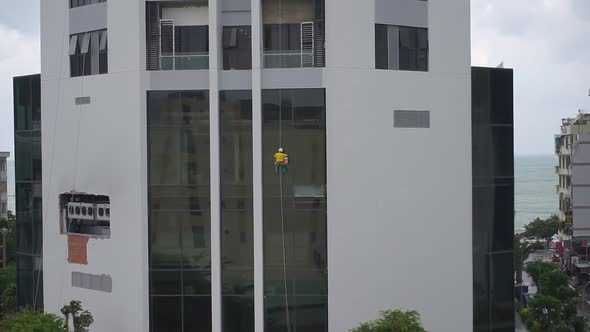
{"points": [[28, 187], [237, 47], [295, 121], [493, 200], [179, 205], [237, 247]]}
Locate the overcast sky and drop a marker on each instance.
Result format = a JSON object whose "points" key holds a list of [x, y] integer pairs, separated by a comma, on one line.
{"points": [[547, 42]]}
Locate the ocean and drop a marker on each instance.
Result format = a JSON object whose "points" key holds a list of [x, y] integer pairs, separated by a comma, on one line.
{"points": [[535, 195]]}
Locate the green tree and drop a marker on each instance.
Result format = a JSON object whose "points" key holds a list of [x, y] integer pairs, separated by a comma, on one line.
{"points": [[7, 281], [393, 321], [556, 283], [537, 268], [553, 309], [32, 321], [81, 319], [10, 226], [543, 229], [522, 251], [8, 299], [548, 314]]}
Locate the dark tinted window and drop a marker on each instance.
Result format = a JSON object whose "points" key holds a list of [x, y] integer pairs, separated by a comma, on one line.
{"points": [[28, 169], [295, 210], [237, 47], [80, 3], [237, 242], [179, 205], [191, 39], [381, 53], [88, 53], [401, 48], [493, 199]]}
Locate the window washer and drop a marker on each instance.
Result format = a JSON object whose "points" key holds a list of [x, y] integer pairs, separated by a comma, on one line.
{"points": [[281, 161]]}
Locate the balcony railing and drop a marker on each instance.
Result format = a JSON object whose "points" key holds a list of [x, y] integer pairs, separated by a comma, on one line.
{"points": [[184, 61], [288, 59], [557, 169]]}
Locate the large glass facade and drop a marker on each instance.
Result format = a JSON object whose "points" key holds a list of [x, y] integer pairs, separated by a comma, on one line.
{"points": [[493, 200], [295, 239], [29, 205], [237, 238], [179, 211]]}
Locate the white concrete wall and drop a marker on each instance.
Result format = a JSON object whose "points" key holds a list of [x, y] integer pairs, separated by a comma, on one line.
{"points": [[98, 148], [188, 15], [581, 185], [581, 151], [581, 174], [399, 200]]}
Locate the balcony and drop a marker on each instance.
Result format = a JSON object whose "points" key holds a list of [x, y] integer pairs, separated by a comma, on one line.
{"points": [[177, 35], [566, 171], [288, 59], [566, 191], [184, 61], [565, 150]]}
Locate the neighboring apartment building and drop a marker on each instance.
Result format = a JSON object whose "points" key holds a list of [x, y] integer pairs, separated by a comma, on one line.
{"points": [[4, 185], [572, 147], [162, 208]]}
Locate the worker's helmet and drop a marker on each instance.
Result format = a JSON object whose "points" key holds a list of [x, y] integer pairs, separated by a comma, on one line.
{"points": [[281, 150]]}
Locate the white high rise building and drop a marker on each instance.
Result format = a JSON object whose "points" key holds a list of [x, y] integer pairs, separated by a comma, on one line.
{"points": [[162, 207]]}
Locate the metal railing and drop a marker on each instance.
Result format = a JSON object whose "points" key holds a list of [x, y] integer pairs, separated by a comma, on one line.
{"points": [[287, 59], [184, 61]]}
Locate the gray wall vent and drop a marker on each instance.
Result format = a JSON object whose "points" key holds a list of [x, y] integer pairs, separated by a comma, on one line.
{"points": [[101, 283], [82, 100], [411, 119]]}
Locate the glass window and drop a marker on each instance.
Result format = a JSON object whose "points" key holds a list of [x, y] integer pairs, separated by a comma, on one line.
{"points": [[179, 205], [27, 114], [80, 3], [295, 236], [381, 42], [237, 245], [88, 53], [237, 47], [166, 312], [401, 48]]}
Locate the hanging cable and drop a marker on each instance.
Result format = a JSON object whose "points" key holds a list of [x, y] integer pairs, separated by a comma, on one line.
{"points": [[280, 173], [287, 312]]}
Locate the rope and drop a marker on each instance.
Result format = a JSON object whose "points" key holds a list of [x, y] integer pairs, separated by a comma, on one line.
{"points": [[284, 255], [287, 313]]}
